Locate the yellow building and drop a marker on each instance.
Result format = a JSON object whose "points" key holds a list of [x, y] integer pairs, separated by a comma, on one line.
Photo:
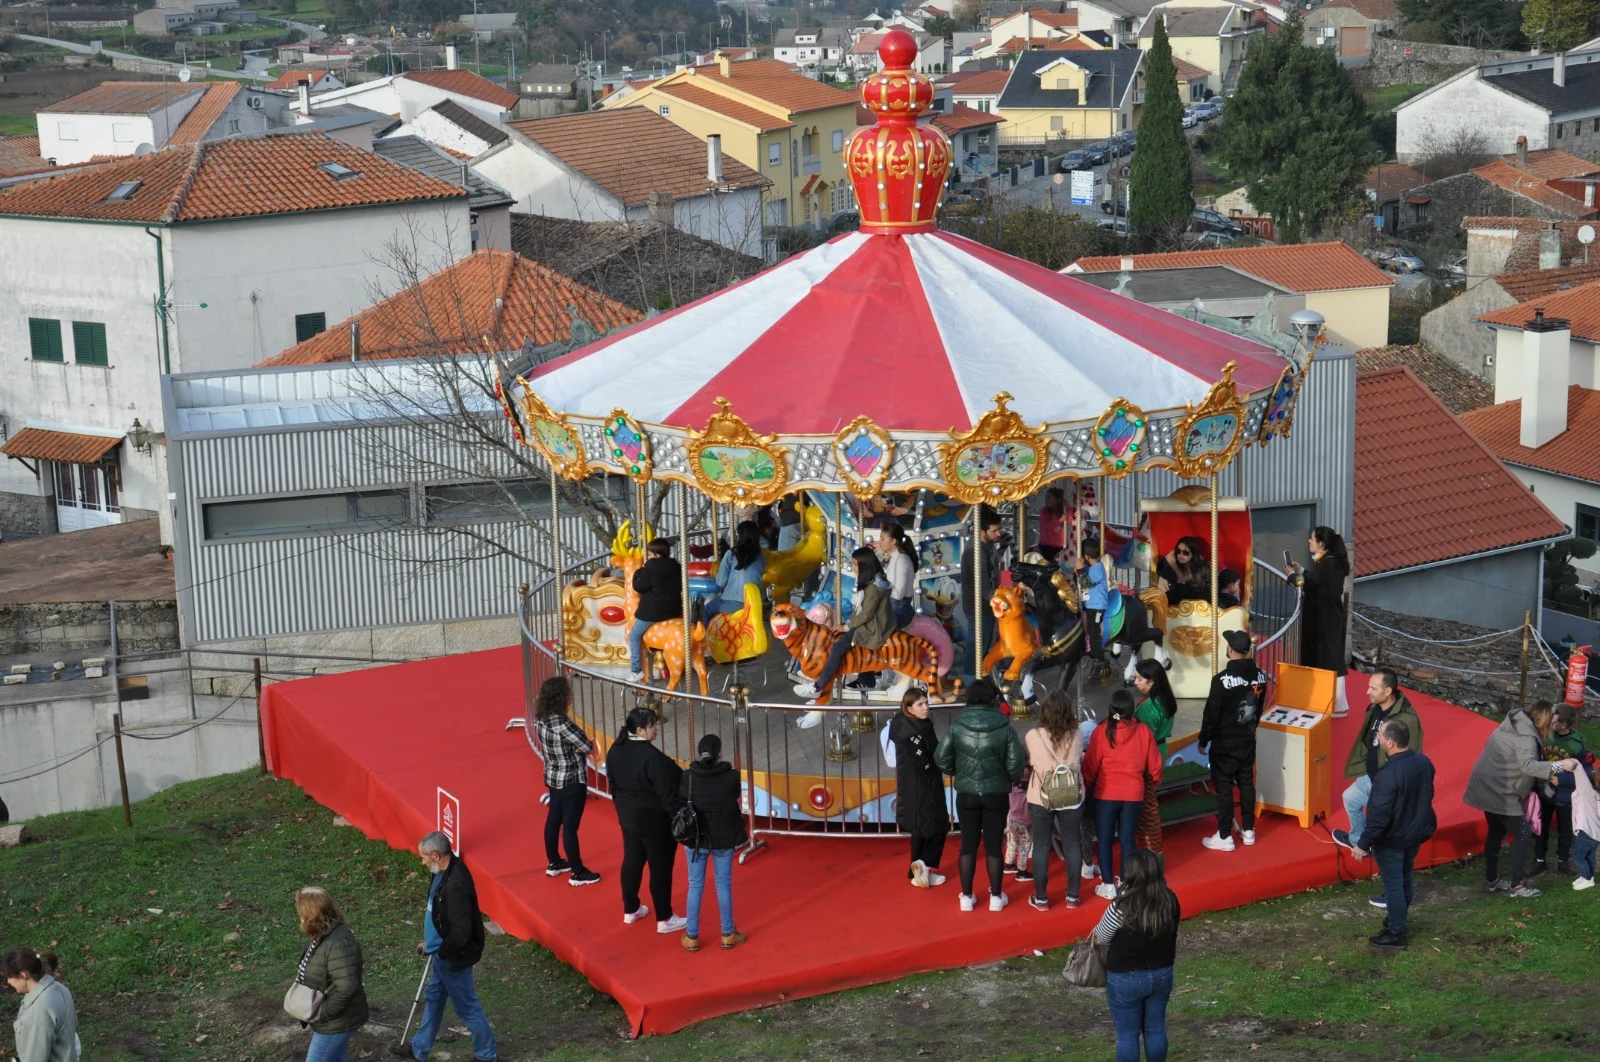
{"points": [[785, 126], [1070, 96], [1213, 35]]}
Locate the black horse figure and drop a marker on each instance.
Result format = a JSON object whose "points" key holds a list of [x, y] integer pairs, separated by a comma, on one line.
{"points": [[1055, 603]]}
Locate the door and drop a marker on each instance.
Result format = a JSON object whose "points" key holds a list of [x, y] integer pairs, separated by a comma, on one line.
{"points": [[1353, 42], [86, 496]]}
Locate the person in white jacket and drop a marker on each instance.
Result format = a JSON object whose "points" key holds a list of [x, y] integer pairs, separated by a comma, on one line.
{"points": [[47, 1023], [1585, 825]]}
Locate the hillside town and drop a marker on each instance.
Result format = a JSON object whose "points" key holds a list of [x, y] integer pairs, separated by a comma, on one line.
{"points": [[409, 412]]}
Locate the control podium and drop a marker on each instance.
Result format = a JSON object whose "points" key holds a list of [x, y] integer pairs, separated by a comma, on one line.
{"points": [[1294, 745]]}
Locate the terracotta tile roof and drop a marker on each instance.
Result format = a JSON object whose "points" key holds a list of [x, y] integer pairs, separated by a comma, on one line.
{"points": [[632, 151], [960, 119], [198, 122], [1394, 177], [719, 104], [778, 83], [232, 178], [67, 446], [1572, 453], [291, 78], [1187, 71], [1541, 283], [983, 83], [465, 83], [1457, 388], [1064, 20], [1426, 490], [1500, 222], [1074, 43], [1579, 306], [1553, 164], [466, 120], [451, 312], [1532, 184], [1377, 10], [19, 155], [1329, 266], [122, 97]]}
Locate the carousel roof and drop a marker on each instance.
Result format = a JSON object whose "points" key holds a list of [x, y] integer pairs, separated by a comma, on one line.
{"points": [[918, 331]]}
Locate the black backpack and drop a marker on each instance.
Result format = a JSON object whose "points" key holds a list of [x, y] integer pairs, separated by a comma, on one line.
{"points": [[686, 820]]}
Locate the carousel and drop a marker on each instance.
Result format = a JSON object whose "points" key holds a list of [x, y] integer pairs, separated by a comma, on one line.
{"points": [[895, 374]]}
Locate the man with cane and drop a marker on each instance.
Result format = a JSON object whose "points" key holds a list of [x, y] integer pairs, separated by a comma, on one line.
{"points": [[452, 939]]}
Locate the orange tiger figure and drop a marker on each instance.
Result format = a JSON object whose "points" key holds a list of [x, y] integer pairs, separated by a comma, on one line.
{"points": [[809, 643], [1015, 636], [666, 636]]}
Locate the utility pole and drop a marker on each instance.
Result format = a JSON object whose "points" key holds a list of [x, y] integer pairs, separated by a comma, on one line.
{"points": [[477, 40]]}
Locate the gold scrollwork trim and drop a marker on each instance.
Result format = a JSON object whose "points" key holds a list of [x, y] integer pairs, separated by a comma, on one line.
{"points": [[558, 443], [999, 428], [1221, 402], [747, 482], [1131, 425], [870, 485]]}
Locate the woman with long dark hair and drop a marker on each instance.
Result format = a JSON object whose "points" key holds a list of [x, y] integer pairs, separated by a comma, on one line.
{"points": [[982, 751], [712, 786], [1322, 616], [900, 568], [566, 750], [741, 565], [1055, 754], [920, 808], [871, 618], [1185, 572], [1141, 930], [1156, 709], [644, 787], [1121, 758], [47, 1022]]}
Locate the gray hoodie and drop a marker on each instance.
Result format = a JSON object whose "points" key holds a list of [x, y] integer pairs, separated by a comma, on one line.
{"points": [[1507, 768]]}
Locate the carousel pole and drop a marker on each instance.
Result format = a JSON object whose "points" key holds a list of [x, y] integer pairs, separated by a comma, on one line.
{"points": [[683, 570], [977, 591], [1216, 624], [1105, 502], [556, 563], [838, 578], [1022, 527], [1134, 519]]}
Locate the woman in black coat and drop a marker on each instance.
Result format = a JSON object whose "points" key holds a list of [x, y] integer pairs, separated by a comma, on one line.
{"points": [[919, 804], [644, 786], [712, 786], [1322, 622]]}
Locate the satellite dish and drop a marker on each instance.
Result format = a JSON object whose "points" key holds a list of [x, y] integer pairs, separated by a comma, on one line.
{"points": [[185, 74], [143, 149], [1586, 235]]}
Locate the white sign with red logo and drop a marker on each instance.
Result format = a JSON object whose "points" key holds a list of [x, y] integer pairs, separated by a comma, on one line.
{"points": [[448, 819]]}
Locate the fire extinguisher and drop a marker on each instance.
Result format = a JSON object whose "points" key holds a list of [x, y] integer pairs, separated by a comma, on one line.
{"points": [[1577, 676]]}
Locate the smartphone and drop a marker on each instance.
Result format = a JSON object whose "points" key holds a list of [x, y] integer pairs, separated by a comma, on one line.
{"points": [[1288, 561]]}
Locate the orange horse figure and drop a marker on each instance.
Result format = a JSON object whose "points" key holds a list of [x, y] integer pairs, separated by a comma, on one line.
{"points": [[667, 635]]}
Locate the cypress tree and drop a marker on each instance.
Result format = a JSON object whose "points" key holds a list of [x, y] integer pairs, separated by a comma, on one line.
{"points": [[1161, 186]]}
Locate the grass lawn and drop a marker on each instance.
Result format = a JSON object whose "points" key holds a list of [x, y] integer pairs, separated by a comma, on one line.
{"points": [[18, 125], [1387, 98], [178, 940]]}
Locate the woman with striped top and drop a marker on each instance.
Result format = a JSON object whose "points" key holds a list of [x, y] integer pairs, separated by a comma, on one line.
{"points": [[1141, 929]]}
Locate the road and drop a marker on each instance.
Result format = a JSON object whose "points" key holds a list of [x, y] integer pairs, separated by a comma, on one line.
{"points": [[84, 49]]}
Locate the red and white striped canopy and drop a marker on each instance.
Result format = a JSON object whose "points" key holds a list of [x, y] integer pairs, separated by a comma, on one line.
{"points": [[918, 332]]}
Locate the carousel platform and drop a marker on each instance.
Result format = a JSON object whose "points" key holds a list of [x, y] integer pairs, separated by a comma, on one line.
{"points": [[822, 913]]}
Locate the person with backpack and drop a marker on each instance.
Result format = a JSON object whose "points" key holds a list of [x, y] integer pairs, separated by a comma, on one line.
{"points": [[710, 826], [1055, 795], [1228, 730]]}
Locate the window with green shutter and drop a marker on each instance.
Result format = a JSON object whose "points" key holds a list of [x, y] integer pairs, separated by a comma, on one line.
{"points": [[307, 325], [44, 336], [89, 343]]}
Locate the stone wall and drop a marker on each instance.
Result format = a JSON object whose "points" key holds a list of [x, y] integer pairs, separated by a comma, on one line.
{"points": [[1453, 329], [26, 514], [59, 627], [1429, 64], [1467, 195]]}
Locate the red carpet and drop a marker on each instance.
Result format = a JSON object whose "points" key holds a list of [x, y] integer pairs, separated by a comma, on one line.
{"points": [[822, 914]]}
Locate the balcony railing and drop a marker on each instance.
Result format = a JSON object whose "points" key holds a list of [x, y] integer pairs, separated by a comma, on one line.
{"points": [[810, 163]]}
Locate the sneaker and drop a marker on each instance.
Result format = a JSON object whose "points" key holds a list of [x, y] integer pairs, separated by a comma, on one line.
{"points": [[998, 903], [934, 878], [1038, 904], [637, 916], [919, 874], [1105, 891], [557, 868], [583, 876], [1525, 892], [1024, 874], [1073, 901], [1090, 871], [671, 925], [1388, 940], [968, 903], [636, 677], [808, 690], [1582, 883], [1218, 843], [1009, 868], [689, 943], [862, 682], [1497, 885], [733, 940], [1379, 902], [1342, 839], [808, 720], [1248, 836]]}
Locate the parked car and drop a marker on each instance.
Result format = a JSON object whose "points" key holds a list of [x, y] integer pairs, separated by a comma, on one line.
{"points": [[1097, 154], [1073, 160], [1208, 240], [1203, 220], [1130, 141], [1401, 262], [1117, 225], [844, 223], [1119, 207], [1458, 268], [1191, 117], [1210, 109]]}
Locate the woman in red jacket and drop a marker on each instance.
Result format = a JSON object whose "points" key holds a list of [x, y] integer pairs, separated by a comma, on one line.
{"points": [[1122, 754]]}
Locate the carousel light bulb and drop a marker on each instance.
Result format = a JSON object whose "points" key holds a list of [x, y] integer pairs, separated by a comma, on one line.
{"points": [[616, 453], [1122, 464], [610, 431]]}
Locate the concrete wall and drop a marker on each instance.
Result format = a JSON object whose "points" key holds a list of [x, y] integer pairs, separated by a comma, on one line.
{"points": [[1510, 377], [1492, 592], [1562, 496], [1454, 331], [73, 138], [1558, 625], [541, 184], [1425, 123], [1357, 318]]}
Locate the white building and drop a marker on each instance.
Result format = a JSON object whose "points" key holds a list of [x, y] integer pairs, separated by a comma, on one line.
{"points": [[409, 94], [114, 118], [628, 164], [454, 128], [933, 55], [244, 246], [1553, 100], [814, 46]]}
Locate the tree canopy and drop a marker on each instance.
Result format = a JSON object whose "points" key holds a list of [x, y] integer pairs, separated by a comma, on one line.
{"points": [[1161, 184], [1556, 25], [1477, 23]]}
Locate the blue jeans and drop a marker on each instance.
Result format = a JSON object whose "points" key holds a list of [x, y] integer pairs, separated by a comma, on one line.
{"points": [[462, 992], [722, 867], [636, 644], [716, 606], [1355, 805], [1124, 816], [330, 1047], [1583, 847], [1395, 864], [904, 612], [1138, 1002]]}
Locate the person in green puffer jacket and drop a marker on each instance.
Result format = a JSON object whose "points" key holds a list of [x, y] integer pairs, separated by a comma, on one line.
{"points": [[982, 750], [331, 964]]}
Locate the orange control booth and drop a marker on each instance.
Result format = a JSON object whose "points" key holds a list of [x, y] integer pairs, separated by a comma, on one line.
{"points": [[1294, 745]]}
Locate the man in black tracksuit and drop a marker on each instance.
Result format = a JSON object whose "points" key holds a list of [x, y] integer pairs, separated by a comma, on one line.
{"points": [[1228, 728]]}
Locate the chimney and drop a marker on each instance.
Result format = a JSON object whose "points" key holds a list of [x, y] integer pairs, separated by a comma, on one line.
{"points": [[1127, 263], [1546, 342], [724, 65], [661, 208], [1558, 69], [1522, 151], [450, 57], [1550, 245], [1027, 29], [714, 159], [304, 90], [355, 340]]}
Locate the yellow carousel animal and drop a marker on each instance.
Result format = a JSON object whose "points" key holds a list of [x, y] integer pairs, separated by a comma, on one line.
{"points": [[788, 569], [665, 637], [1015, 637]]}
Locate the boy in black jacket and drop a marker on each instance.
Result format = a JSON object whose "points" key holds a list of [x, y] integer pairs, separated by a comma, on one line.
{"points": [[659, 584], [1228, 728]]}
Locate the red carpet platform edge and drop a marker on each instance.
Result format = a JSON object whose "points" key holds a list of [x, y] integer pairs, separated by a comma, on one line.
{"points": [[822, 914]]}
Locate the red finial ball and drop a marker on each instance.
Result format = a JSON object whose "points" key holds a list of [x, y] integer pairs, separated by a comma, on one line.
{"points": [[898, 50]]}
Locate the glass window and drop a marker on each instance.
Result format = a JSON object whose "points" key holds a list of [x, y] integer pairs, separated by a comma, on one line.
{"points": [[1055, 123], [44, 339], [459, 503], [666, 110], [774, 154], [310, 514], [89, 343], [838, 137], [1587, 524], [307, 325]]}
